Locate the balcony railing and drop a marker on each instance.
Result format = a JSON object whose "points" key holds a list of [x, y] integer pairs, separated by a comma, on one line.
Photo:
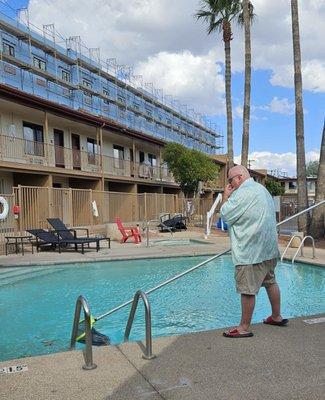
{"points": [[22, 151]]}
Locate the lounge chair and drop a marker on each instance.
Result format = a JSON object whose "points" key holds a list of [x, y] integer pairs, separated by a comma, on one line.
{"points": [[178, 222], [70, 234], [129, 232], [63, 231], [44, 238]]}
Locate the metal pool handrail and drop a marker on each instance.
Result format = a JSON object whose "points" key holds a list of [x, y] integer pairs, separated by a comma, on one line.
{"points": [[148, 353], [88, 354], [147, 229], [196, 267], [301, 247], [288, 245]]}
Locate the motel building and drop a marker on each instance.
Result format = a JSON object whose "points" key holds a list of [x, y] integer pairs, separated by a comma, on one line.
{"points": [[70, 121]]}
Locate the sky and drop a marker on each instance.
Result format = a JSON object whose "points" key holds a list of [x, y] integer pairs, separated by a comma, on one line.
{"points": [[165, 44]]}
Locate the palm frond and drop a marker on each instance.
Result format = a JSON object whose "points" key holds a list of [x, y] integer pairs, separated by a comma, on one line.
{"points": [[252, 15], [214, 12]]}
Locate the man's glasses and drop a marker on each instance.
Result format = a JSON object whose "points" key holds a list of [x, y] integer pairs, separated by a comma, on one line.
{"points": [[230, 179]]}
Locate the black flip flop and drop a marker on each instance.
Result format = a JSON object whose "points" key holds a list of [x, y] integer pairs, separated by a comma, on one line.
{"points": [[270, 321]]}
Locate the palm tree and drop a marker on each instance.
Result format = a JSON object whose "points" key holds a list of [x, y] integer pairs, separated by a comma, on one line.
{"points": [[219, 14], [318, 221], [246, 20], [302, 197]]}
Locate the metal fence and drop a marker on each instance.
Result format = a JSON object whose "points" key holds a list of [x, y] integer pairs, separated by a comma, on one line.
{"points": [[76, 207]]}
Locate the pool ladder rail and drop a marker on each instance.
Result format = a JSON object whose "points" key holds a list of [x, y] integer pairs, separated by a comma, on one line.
{"points": [[300, 248], [82, 303], [148, 230]]}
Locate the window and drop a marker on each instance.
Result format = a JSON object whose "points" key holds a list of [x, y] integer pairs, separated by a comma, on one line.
{"points": [[141, 157], [311, 186], [87, 98], [8, 49], [93, 149], [292, 185], [39, 63], [118, 156], [34, 141], [121, 113], [121, 99], [87, 83], [152, 160], [106, 92], [66, 76]]}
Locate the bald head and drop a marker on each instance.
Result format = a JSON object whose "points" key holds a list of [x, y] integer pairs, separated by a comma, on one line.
{"points": [[237, 175], [239, 169]]}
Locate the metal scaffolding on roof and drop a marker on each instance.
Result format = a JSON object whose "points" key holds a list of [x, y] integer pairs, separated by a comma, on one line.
{"points": [[117, 89]]}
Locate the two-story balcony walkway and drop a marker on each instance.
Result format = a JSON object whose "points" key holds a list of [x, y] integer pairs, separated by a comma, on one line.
{"points": [[46, 155]]}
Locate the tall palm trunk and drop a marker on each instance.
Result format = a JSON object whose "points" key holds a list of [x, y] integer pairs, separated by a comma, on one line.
{"points": [[227, 37], [247, 95], [300, 140], [317, 228]]}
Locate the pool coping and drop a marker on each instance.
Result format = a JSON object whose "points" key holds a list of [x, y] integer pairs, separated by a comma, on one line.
{"points": [[298, 260]]}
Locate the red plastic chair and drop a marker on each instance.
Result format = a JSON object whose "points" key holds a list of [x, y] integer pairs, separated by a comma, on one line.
{"points": [[128, 232]]}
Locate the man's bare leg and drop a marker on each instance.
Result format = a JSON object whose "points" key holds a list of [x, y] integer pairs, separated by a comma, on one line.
{"points": [[273, 293], [247, 308]]}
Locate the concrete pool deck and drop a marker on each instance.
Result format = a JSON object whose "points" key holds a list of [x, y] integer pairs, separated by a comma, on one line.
{"points": [[277, 363], [216, 243]]}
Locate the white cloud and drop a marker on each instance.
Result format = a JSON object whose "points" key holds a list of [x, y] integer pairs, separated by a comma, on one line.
{"points": [[130, 31], [281, 106], [278, 106], [194, 79], [281, 161], [313, 75], [272, 42], [238, 112]]}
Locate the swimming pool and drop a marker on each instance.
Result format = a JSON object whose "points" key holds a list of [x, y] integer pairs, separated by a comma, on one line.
{"points": [[37, 309]]}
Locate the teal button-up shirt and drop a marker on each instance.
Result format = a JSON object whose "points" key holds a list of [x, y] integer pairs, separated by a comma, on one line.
{"points": [[250, 215]]}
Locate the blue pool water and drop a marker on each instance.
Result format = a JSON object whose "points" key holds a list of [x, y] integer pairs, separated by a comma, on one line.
{"points": [[37, 313]]}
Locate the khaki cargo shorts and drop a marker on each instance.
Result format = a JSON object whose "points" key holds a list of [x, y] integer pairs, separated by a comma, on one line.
{"points": [[250, 278]]}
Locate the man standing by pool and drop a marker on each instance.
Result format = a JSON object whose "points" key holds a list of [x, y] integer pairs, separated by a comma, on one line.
{"points": [[249, 212]]}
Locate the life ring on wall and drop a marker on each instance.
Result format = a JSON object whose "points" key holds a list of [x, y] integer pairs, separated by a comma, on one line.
{"points": [[5, 207]]}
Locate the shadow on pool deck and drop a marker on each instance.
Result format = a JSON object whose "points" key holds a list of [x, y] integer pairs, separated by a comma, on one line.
{"points": [[277, 363]]}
